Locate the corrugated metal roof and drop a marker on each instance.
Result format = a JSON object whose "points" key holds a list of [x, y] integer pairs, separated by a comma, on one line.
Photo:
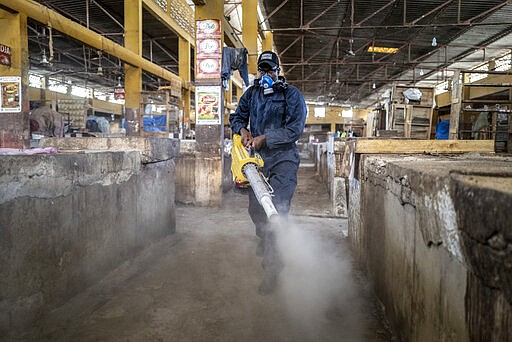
{"points": [[323, 44], [382, 23]]}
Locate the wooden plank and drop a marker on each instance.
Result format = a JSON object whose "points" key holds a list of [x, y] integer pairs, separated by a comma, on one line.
{"points": [[407, 121], [509, 119], [409, 146], [431, 123], [456, 105], [509, 141]]}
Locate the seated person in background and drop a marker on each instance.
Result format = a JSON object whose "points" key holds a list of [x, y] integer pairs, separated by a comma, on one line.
{"points": [[47, 122], [481, 125]]}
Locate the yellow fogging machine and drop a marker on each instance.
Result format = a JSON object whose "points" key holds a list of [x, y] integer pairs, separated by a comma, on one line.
{"points": [[246, 168]]}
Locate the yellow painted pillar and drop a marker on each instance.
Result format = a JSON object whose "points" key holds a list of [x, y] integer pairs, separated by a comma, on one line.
{"points": [[268, 42], [333, 127], [209, 166], [14, 126], [133, 75], [184, 71], [213, 9], [250, 32]]}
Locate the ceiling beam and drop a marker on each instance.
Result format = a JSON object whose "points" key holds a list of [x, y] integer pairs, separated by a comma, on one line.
{"points": [[273, 12], [307, 25], [290, 45], [466, 53], [370, 77], [77, 31], [407, 26], [410, 64], [306, 62], [108, 14], [443, 5], [375, 13], [485, 13], [377, 41]]}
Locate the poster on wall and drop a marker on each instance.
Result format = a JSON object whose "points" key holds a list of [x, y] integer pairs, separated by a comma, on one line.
{"points": [[208, 101], [10, 94]]}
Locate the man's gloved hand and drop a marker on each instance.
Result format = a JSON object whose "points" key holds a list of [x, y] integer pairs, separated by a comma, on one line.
{"points": [[246, 137], [258, 142]]}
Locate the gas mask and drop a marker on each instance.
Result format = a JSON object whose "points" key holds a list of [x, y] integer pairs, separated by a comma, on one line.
{"points": [[269, 86], [267, 82]]}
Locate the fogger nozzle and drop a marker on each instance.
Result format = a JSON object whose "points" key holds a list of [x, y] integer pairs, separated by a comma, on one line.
{"points": [[260, 189], [268, 206]]}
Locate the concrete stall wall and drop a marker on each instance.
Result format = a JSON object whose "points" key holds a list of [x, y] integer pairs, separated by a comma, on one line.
{"points": [[199, 175], [434, 234], [327, 159], [66, 220]]}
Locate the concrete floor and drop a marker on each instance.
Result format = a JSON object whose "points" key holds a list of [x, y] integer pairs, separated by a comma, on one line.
{"points": [[200, 284]]}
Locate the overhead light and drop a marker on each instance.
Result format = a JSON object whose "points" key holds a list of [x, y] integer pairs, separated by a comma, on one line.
{"points": [[99, 72], [382, 49], [421, 72], [374, 85], [44, 59], [434, 41], [350, 52]]}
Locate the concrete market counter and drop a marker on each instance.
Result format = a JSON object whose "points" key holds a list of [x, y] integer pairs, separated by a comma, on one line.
{"points": [[435, 235], [67, 219]]}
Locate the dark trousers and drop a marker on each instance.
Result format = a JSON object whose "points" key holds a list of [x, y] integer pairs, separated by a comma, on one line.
{"points": [[283, 179]]}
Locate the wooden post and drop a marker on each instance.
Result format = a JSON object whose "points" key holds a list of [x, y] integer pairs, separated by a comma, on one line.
{"points": [[184, 71], [509, 119], [407, 121], [456, 105], [14, 122], [133, 74]]}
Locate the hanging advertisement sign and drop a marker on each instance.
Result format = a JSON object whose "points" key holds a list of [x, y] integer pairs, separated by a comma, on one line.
{"points": [[5, 55], [209, 28], [208, 105], [119, 94], [208, 68], [208, 49], [10, 94]]}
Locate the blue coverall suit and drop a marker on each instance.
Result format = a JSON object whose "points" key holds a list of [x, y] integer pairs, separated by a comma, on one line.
{"points": [[281, 117]]}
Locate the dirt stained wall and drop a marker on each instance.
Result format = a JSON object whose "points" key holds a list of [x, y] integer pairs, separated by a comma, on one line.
{"points": [[412, 224], [66, 220]]}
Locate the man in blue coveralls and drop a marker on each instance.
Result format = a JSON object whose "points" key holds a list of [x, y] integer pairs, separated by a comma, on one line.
{"points": [[275, 113]]}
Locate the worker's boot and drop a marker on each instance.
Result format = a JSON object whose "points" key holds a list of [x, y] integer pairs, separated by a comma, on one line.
{"points": [[271, 263]]}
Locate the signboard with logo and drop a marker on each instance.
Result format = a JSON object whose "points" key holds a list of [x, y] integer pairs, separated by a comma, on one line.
{"points": [[10, 94], [209, 49], [208, 28], [208, 105], [119, 94], [5, 55], [208, 68]]}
